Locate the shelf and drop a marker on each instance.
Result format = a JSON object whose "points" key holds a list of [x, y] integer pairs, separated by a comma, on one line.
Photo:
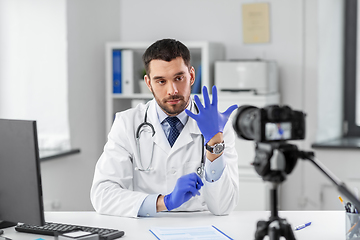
{"points": [[51, 154], [132, 96], [339, 143]]}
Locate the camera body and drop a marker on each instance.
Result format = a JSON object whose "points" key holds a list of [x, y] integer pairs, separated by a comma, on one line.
{"points": [[272, 123]]}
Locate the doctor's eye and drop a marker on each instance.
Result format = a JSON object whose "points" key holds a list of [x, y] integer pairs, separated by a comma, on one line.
{"points": [[161, 82], [179, 78]]}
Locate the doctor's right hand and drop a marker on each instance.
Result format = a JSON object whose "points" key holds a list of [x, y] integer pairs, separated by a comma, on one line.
{"points": [[186, 187]]}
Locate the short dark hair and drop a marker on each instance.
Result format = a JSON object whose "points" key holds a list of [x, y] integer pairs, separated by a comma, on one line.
{"points": [[166, 50]]}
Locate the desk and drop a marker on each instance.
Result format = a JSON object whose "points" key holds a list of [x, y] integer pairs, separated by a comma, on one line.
{"points": [[329, 225]]}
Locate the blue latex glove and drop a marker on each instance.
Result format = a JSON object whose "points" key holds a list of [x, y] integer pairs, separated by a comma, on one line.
{"points": [[210, 120], [186, 187]]}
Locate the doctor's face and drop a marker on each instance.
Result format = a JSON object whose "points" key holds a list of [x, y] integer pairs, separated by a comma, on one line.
{"points": [[170, 83]]}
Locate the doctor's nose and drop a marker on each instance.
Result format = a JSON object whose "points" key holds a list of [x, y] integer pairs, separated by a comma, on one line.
{"points": [[172, 89]]}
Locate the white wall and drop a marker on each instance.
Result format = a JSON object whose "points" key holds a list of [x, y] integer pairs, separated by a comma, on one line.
{"points": [[221, 21], [318, 191], [33, 67], [67, 180]]}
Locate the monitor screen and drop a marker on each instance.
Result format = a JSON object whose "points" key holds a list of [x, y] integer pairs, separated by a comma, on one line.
{"points": [[20, 181]]}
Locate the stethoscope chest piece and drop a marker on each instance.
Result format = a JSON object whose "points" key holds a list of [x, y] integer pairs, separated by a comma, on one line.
{"points": [[200, 171]]}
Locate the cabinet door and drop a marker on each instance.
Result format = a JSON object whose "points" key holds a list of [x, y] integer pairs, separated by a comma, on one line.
{"points": [[253, 194], [253, 190]]}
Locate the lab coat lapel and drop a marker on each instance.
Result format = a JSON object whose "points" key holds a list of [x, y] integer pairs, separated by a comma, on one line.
{"points": [[159, 137]]}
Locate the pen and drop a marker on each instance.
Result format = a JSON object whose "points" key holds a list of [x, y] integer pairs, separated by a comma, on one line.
{"points": [[352, 228], [350, 206], [302, 226], [347, 209]]}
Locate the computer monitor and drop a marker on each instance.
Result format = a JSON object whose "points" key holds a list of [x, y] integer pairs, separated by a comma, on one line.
{"points": [[20, 180]]}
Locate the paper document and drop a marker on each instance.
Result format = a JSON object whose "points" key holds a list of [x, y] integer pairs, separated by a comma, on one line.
{"points": [[187, 233]]}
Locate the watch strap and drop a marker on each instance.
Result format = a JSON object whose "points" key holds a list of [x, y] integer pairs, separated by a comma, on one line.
{"points": [[211, 148]]}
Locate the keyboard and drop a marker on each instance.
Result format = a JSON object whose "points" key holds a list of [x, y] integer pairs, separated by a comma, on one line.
{"points": [[54, 229]]}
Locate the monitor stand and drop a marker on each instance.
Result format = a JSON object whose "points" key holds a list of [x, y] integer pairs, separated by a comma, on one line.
{"points": [[6, 224]]}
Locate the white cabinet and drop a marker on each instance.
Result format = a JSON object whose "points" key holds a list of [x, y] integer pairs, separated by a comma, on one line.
{"points": [[253, 190], [202, 53]]}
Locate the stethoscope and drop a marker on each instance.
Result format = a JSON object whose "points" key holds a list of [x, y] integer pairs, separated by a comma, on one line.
{"points": [[199, 170]]}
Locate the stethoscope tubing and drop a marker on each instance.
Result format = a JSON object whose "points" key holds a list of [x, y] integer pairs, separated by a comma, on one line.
{"points": [[199, 170]]}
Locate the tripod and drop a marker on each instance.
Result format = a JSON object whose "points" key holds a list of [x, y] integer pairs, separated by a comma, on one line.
{"points": [[273, 161], [275, 227]]}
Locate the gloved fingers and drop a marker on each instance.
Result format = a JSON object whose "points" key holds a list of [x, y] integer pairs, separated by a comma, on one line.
{"points": [[194, 185], [195, 178], [190, 114], [193, 191], [198, 103], [198, 181], [198, 186], [228, 112], [206, 97], [195, 181], [214, 96]]}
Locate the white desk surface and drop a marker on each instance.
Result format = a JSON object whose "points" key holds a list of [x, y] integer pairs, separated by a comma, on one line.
{"points": [[329, 225]]}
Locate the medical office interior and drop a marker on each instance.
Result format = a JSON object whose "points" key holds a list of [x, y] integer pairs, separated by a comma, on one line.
{"points": [[53, 69]]}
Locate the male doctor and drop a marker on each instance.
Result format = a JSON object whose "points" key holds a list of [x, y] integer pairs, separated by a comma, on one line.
{"points": [[153, 158]]}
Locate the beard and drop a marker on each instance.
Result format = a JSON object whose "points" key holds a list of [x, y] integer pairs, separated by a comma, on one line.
{"points": [[172, 109]]}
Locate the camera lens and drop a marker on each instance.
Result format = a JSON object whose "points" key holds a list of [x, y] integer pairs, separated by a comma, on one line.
{"points": [[244, 121]]}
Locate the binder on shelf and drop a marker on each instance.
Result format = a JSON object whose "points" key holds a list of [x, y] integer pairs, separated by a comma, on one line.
{"points": [[116, 61], [127, 70], [196, 88]]}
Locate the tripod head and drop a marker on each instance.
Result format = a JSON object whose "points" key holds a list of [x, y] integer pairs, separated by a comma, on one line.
{"points": [[274, 160]]}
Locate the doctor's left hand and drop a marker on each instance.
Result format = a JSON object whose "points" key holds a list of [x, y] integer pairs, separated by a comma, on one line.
{"points": [[210, 120], [186, 187]]}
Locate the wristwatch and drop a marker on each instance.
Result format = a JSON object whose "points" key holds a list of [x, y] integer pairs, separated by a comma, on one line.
{"points": [[216, 149]]}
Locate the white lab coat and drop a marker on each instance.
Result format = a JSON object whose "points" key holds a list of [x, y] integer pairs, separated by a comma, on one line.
{"points": [[118, 189]]}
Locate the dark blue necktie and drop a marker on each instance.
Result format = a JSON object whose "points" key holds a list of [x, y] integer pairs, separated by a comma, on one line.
{"points": [[174, 132]]}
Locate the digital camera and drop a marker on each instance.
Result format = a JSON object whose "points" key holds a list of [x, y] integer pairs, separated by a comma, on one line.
{"points": [[272, 123]]}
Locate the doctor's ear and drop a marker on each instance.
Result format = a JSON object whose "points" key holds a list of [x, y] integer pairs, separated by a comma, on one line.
{"points": [[147, 81], [192, 75]]}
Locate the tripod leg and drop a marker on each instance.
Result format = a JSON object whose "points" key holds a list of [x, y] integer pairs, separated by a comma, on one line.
{"points": [[287, 230], [261, 230], [274, 230]]}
